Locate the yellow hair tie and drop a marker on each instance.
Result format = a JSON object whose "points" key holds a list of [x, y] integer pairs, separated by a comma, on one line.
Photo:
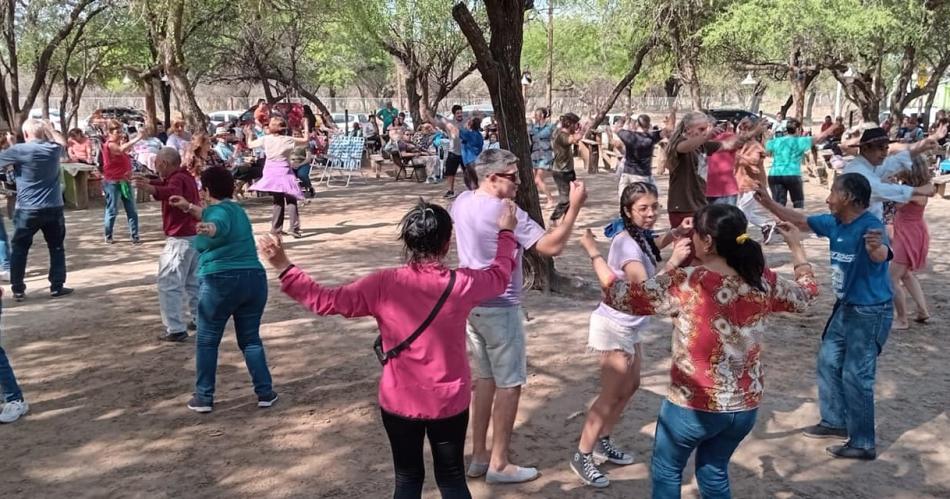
{"points": [[742, 238]]}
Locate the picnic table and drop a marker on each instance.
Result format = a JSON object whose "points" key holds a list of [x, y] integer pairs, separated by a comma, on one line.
{"points": [[75, 180]]}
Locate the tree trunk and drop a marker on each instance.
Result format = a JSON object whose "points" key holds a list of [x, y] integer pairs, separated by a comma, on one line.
{"points": [[191, 111], [412, 96], [499, 62], [165, 92], [691, 78], [151, 114], [757, 93], [809, 105], [931, 96]]}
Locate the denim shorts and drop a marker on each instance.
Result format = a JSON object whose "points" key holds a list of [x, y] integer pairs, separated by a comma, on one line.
{"points": [[496, 342]]}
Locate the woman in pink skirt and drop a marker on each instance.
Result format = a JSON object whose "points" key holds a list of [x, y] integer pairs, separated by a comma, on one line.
{"points": [[279, 178], [910, 246]]}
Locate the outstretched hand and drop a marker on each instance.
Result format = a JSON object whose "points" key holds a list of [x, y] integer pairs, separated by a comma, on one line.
{"points": [[272, 249], [790, 233], [578, 194], [179, 202], [682, 248], [589, 242]]}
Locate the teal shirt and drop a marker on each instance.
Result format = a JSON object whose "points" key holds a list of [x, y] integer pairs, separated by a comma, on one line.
{"points": [[232, 247], [787, 153]]}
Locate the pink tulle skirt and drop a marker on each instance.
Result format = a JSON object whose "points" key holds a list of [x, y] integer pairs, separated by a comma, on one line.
{"points": [[278, 177]]}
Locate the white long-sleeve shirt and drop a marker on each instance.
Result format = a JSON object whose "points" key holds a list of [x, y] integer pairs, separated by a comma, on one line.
{"points": [[883, 191]]}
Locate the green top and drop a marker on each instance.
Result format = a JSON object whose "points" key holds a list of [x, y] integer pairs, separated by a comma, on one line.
{"points": [[787, 153], [232, 247]]}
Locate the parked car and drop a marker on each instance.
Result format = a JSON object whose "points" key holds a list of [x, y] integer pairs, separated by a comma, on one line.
{"points": [[37, 113], [354, 118], [220, 118]]}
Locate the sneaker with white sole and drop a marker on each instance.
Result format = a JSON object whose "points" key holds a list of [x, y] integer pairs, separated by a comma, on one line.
{"points": [[520, 475], [476, 470], [14, 410], [606, 451], [264, 401], [583, 466], [768, 230], [198, 405]]}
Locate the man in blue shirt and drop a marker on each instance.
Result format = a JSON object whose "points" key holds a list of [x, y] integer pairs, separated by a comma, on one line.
{"points": [[861, 320], [39, 204]]}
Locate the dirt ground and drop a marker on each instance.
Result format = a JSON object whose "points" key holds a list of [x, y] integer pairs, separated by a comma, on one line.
{"points": [[108, 416]]}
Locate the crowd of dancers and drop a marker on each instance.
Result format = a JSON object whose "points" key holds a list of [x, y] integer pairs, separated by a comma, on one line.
{"points": [[435, 322]]}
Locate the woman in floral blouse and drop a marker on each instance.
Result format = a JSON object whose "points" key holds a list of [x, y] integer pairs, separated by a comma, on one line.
{"points": [[719, 311]]}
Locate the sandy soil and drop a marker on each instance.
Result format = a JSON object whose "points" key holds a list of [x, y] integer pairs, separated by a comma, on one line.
{"points": [[108, 400]]}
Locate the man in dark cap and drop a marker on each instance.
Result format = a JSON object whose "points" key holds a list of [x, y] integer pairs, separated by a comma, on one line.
{"points": [[875, 164]]}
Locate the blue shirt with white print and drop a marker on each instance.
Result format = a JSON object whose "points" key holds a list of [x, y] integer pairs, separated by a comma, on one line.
{"points": [[856, 279]]}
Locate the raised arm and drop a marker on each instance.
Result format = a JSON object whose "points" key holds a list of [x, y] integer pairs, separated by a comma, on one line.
{"points": [[352, 300], [553, 243], [931, 142], [784, 213]]}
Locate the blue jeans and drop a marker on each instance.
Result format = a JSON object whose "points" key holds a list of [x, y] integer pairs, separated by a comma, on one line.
{"points": [[847, 364], [714, 435], [26, 222], [9, 390], [241, 294], [4, 246], [113, 195], [303, 173]]}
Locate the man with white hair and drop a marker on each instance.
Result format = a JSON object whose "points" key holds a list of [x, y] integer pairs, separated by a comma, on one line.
{"points": [[178, 265], [39, 203], [496, 336]]}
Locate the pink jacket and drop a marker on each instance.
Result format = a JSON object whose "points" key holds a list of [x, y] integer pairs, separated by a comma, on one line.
{"points": [[431, 379]]}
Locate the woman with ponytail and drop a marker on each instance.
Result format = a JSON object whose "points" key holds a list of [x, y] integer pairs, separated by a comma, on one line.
{"points": [[719, 311], [426, 388], [615, 335]]}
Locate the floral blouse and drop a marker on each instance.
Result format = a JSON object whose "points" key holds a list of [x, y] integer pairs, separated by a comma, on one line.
{"points": [[718, 323]]}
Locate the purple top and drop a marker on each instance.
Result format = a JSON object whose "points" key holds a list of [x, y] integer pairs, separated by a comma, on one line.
{"points": [[476, 233]]}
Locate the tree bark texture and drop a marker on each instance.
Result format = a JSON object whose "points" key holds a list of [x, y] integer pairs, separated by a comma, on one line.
{"points": [[499, 62]]}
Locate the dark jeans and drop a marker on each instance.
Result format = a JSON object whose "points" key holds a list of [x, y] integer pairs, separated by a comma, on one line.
{"points": [[9, 390], [783, 186], [847, 366], [562, 180], [26, 223], [113, 194], [280, 203], [240, 294], [714, 436], [303, 174], [447, 441]]}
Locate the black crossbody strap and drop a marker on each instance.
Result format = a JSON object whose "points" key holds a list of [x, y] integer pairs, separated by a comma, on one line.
{"points": [[425, 324]]}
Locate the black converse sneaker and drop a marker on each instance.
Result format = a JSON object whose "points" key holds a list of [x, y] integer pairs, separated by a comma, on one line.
{"points": [[606, 451], [584, 467]]}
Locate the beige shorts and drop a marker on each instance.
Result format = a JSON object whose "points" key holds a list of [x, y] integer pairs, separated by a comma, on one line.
{"points": [[496, 343]]}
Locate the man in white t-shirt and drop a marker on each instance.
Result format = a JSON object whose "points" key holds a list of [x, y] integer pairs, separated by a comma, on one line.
{"points": [[495, 329]]}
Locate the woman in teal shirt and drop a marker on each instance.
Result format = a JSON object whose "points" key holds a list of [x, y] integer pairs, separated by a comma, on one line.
{"points": [[233, 284], [785, 176]]}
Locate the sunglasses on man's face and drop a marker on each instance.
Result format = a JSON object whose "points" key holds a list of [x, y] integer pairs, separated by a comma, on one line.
{"points": [[511, 177]]}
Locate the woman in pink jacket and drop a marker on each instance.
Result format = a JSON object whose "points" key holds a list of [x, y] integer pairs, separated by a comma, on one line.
{"points": [[426, 388]]}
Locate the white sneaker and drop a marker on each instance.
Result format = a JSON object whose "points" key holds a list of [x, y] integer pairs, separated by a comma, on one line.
{"points": [[5, 275], [519, 476], [12, 411]]}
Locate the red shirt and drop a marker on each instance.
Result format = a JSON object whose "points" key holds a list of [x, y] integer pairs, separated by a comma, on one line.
{"points": [[721, 170], [718, 324], [175, 222], [115, 167]]}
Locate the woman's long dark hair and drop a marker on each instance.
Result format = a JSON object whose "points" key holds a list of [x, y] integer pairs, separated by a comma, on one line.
{"points": [[631, 194], [727, 226], [425, 232]]}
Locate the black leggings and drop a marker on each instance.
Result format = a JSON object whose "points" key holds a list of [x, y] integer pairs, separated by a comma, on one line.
{"points": [[447, 441], [783, 186]]}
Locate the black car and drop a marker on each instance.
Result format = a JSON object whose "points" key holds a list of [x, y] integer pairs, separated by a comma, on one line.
{"points": [[732, 115]]}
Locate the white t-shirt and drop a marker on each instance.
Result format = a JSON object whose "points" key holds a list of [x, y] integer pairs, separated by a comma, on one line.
{"points": [[623, 250]]}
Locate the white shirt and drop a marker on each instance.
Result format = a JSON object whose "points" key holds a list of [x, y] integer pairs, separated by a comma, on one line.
{"points": [[883, 191]]}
